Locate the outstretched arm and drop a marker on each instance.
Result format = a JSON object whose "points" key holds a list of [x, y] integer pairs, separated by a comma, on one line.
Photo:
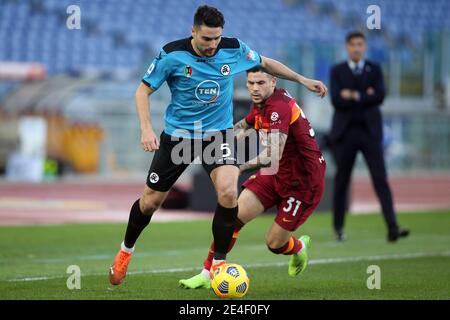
{"points": [[279, 70], [275, 147]]}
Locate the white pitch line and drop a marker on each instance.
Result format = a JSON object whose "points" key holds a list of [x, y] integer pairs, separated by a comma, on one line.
{"points": [[263, 265]]}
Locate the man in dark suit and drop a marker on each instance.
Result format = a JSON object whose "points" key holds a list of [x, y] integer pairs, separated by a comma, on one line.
{"points": [[357, 91]]}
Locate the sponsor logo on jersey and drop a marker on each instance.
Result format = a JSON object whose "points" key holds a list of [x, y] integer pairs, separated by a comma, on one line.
{"points": [[188, 71], [154, 178], [150, 69], [225, 70], [205, 60], [207, 91]]}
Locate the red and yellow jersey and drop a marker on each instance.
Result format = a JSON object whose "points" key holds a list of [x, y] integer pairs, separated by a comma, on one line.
{"points": [[301, 157]]}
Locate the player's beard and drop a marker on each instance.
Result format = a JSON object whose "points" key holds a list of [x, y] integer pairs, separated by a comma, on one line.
{"points": [[208, 52], [258, 99]]}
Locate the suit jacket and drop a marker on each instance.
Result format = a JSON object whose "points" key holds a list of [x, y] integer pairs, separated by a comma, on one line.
{"points": [[366, 112]]}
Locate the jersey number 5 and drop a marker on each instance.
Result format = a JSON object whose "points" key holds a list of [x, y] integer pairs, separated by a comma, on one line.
{"points": [[225, 147], [290, 204]]}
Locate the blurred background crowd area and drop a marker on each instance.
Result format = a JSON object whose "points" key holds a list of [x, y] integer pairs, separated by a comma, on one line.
{"points": [[67, 95]]}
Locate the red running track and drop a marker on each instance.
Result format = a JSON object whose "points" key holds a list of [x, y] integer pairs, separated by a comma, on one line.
{"points": [[412, 193], [82, 202], [64, 202]]}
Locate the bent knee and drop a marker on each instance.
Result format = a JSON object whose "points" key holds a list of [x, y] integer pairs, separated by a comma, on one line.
{"points": [[150, 203], [227, 195]]}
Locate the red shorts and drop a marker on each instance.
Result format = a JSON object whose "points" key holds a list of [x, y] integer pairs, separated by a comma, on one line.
{"points": [[293, 206]]}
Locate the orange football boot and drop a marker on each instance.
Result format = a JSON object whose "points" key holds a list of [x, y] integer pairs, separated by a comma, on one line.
{"points": [[118, 270]]}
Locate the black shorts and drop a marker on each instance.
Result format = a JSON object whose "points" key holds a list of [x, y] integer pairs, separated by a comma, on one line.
{"points": [[175, 154]]}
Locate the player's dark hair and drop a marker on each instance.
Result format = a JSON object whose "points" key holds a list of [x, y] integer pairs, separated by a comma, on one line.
{"points": [[259, 69], [255, 69], [354, 34], [209, 16]]}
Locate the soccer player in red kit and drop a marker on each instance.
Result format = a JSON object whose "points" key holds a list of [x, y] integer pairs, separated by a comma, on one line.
{"points": [[291, 175]]}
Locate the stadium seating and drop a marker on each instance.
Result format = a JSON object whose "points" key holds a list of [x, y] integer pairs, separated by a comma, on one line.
{"points": [[127, 33]]}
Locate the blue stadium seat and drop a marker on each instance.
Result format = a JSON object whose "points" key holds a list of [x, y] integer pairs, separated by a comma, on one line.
{"points": [[116, 32]]}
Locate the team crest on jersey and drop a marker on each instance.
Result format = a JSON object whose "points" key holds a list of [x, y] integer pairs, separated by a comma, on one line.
{"points": [[225, 70], [188, 71], [274, 116]]}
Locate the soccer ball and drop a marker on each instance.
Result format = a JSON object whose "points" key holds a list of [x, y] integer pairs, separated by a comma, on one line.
{"points": [[230, 280]]}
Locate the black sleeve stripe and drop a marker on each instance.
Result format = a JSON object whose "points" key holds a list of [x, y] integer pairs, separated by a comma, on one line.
{"points": [[178, 45], [184, 45], [229, 43], [147, 84]]}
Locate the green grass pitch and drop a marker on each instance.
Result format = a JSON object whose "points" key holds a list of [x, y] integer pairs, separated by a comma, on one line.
{"points": [[34, 260]]}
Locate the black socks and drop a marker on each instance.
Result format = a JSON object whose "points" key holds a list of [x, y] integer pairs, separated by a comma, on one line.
{"points": [[223, 227], [136, 223]]}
